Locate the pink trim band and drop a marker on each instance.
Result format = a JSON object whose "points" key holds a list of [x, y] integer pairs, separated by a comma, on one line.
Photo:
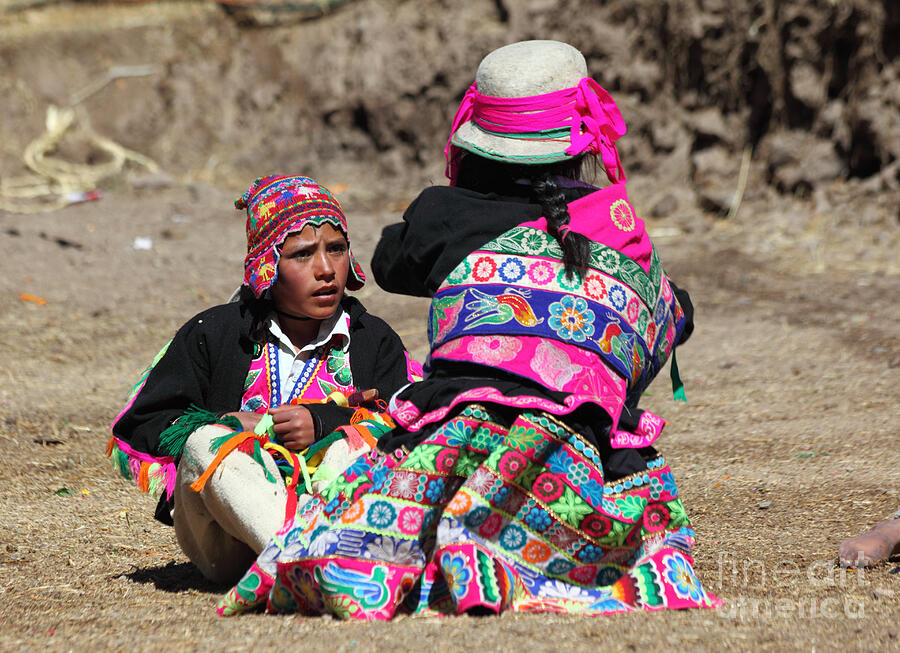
{"points": [[588, 110]]}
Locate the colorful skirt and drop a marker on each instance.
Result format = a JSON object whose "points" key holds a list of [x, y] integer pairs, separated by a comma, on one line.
{"points": [[481, 517]]}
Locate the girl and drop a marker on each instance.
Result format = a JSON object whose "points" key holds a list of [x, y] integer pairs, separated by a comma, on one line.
{"points": [[522, 475], [293, 348]]}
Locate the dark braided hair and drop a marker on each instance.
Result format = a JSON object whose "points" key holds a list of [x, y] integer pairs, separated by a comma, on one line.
{"points": [[259, 309], [487, 176]]}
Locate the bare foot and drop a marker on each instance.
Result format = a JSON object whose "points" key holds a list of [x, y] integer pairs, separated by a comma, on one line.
{"points": [[873, 546]]}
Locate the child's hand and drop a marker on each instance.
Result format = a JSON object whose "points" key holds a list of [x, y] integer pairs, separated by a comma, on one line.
{"points": [[293, 426]]}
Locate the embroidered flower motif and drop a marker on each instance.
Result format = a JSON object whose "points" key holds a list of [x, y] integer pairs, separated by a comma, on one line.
{"points": [[435, 489], [523, 438], [398, 552], [571, 508], [656, 518], [493, 350], [567, 281], [445, 460], [512, 537], [410, 521], [481, 481], [354, 512], [512, 270], [553, 365], [596, 525], [594, 287], [381, 514], [535, 552], [485, 439], [500, 496], [511, 464], [533, 241], [622, 216], [547, 488], [617, 297], [404, 484], [578, 473], [590, 553], [559, 461], [560, 567], [633, 309], [571, 318], [583, 574], [540, 273], [538, 519], [460, 273], [477, 517], [491, 525], [668, 482], [651, 332], [484, 268], [608, 576], [679, 573], [459, 504], [456, 574], [609, 260], [458, 432], [558, 589]]}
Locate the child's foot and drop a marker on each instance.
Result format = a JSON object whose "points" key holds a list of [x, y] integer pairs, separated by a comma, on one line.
{"points": [[873, 546]]}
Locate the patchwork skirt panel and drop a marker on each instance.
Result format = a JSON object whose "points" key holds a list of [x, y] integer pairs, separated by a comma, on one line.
{"points": [[482, 517]]}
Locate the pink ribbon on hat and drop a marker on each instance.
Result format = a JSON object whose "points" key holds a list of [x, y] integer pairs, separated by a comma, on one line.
{"points": [[589, 111]]}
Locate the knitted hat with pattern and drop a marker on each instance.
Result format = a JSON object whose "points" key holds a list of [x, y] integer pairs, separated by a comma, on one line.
{"points": [[278, 206]]}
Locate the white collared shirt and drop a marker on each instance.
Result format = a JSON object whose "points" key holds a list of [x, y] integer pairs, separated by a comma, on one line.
{"points": [[291, 360]]}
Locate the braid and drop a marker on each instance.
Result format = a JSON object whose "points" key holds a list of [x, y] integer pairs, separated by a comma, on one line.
{"points": [[576, 247], [259, 309]]}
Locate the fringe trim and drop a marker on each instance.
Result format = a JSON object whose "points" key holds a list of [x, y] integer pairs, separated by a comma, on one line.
{"points": [[152, 475]]}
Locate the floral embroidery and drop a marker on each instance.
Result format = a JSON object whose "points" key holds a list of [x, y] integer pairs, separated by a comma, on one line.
{"points": [[460, 273], [538, 519], [381, 514], [622, 216], [656, 518], [609, 261], [457, 574], [540, 273], [535, 552], [547, 488], [511, 464], [567, 281], [512, 537], [633, 309], [679, 573], [512, 270], [339, 367], [578, 474], [484, 269], [459, 504], [594, 287], [571, 318], [493, 350], [560, 567], [553, 365], [596, 525], [410, 521], [617, 297], [435, 489], [404, 484]]}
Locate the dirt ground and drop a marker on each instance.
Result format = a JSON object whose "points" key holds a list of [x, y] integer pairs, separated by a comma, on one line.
{"points": [[788, 443]]}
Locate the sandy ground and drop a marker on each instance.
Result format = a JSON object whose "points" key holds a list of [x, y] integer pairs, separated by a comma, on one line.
{"points": [[787, 445]]}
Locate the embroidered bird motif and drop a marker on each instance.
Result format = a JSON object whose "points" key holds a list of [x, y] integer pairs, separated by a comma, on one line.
{"points": [[500, 309]]}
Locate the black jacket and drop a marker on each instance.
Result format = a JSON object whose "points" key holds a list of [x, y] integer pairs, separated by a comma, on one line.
{"points": [[207, 362]]}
